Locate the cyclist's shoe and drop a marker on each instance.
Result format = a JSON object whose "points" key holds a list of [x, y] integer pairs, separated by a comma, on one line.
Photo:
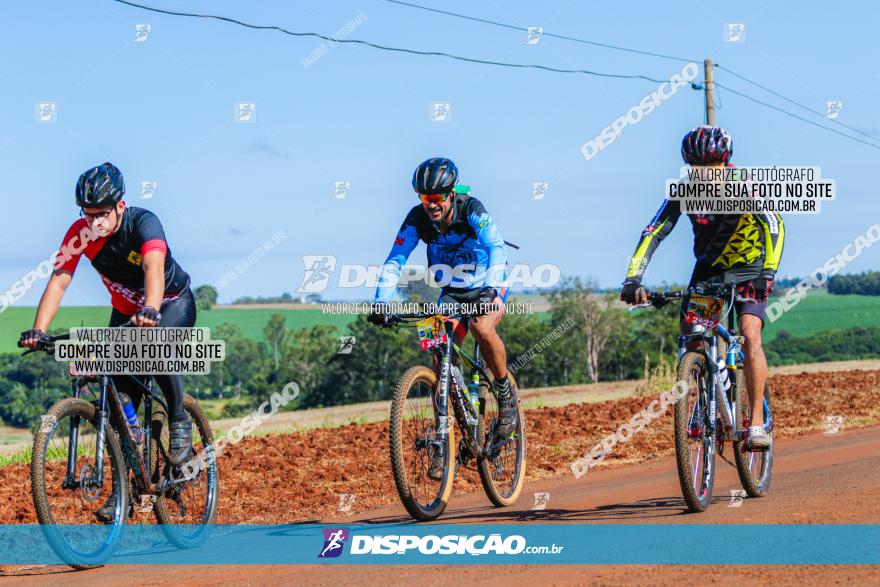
{"points": [[107, 512], [180, 443], [507, 409], [758, 439], [438, 464]]}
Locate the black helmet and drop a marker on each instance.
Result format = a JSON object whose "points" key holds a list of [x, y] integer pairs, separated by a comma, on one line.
{"points": [[100, 187], [707, 144], [437, 175]]}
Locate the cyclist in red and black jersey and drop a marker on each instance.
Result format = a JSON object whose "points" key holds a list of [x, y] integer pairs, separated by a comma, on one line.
{"points": [[128, 249]]}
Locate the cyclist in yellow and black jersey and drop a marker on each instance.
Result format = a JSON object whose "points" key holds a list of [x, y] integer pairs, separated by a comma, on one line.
{"points": [[744, 249]]}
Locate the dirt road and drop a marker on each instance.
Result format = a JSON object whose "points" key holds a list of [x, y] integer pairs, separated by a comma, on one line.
{"points": [[818, 478]]}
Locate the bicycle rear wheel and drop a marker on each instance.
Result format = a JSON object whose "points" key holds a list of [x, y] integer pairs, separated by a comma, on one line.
{"points": [[755, 468], [502, 472], [65, 506], [414, 441], [188, 507], [694, 442]]}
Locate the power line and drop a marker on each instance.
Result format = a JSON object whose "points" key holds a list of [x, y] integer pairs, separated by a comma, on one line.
{"points": [[393, 49], [564, 37], [512, 65], [796, 116], [629, 50], [808, 109]]}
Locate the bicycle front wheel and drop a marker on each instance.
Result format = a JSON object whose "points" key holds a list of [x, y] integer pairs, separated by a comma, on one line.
{"points": [[694, 441], [415, 442], [65, 503]]}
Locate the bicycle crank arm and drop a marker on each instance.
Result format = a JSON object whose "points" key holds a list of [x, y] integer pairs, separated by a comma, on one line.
{"points": [[495, 448]]}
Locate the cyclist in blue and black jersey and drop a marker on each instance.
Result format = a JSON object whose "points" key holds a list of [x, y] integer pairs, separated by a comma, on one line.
{"points": [[465, 252]]}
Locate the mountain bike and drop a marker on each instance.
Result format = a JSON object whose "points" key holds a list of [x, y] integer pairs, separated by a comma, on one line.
{"points": [[85, 450], [421, 424], [716, 406]]}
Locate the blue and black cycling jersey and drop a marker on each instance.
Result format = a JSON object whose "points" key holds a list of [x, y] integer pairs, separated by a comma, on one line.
{"points": [[470, 255]]}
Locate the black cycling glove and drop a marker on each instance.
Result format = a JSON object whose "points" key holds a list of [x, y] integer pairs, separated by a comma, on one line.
{"points": [[632, 290], [758, 289], [149, 313], [379, 314], [42, 337]]}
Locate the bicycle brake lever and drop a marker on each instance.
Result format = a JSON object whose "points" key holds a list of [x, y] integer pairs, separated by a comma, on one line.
{"points": [[746, 300]]}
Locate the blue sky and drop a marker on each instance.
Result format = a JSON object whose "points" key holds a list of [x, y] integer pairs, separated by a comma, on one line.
{"points": [[163, 110]]}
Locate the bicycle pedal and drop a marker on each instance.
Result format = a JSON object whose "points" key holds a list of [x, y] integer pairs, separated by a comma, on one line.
{"points": [[146, 505]]}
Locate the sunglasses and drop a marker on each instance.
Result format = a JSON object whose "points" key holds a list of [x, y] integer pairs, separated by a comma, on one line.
{"points": [[102, 215], [433, 198]]}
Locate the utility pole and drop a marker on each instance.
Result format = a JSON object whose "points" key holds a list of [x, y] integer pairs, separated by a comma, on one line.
{"points": [[710, 92]]}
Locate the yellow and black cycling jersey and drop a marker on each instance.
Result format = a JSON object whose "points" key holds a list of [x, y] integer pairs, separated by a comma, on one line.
{"points": [[722, 241]]}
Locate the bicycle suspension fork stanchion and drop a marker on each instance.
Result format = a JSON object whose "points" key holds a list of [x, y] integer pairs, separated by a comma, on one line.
{"points": [[102, 431], [70, 481], [712, 391]]}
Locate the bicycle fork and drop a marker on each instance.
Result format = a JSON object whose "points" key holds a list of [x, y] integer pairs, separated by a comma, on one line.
{"points": [[70, 481], [97, 479]]}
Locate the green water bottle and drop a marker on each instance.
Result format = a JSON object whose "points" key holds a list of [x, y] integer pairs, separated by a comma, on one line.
{"points": [[474, 393]]}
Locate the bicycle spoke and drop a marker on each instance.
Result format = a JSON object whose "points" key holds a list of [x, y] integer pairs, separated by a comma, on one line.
{"points": [[418, 432], [75, 505]]}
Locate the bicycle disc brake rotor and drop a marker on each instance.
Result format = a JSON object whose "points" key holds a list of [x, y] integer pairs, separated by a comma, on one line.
{"points": [[90, 491]]}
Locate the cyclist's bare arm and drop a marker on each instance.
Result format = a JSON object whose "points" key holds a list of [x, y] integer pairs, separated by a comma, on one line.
{"points": [[51, 299], [154, 283]]}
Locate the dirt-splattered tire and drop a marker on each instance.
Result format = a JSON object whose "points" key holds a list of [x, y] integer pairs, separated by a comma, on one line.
{"points": [[413, 430], [501, 488], [755, 468], [187, 527], [62, 533], [694, 450]]}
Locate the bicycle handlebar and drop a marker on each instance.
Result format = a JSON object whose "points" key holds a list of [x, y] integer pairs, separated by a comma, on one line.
{"points": [[459, 310], [661, 298], [45, 345], [408, 317]]}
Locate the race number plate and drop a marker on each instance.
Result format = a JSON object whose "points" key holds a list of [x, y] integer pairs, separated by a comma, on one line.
{"points": [[704, 311], [431, 333]]}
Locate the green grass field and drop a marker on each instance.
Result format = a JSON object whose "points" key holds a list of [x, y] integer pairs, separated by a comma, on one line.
{"points": [[818, 311], [822, 311], [251, 321]]}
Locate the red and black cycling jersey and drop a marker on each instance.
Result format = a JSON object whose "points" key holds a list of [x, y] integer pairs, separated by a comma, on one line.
{"points": [[117, 258]]}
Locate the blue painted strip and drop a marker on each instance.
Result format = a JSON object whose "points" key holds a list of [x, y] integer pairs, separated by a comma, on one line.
{"points": [[587, 544]]}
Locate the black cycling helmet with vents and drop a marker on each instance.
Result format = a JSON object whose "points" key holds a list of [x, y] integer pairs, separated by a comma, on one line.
{"points": [[437, 175], [100, 187], [707, 144]]}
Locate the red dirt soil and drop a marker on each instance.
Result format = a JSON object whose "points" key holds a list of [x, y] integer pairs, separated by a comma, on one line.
{"points": [[298, 477]]}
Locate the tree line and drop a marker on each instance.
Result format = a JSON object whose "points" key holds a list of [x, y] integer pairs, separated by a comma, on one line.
{"points": [[587, 336], [866, 284]]}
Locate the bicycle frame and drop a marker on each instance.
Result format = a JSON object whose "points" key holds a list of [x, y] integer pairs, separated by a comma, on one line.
{"points": [[109, 397], [447, 389], [728, 405]]}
